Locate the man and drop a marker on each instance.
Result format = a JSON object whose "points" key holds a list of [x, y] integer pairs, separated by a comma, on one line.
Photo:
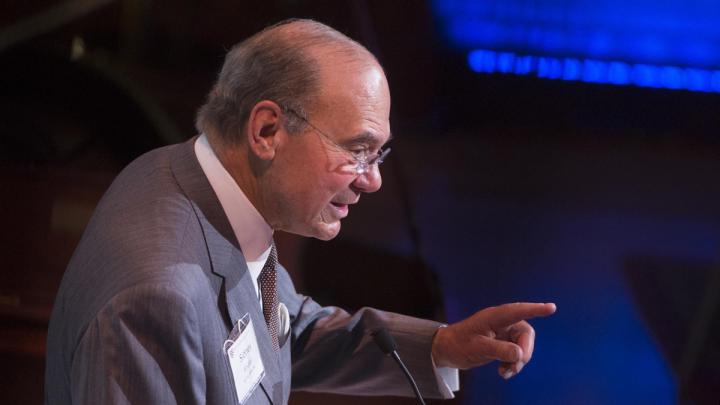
{"points": [[174, 284]]}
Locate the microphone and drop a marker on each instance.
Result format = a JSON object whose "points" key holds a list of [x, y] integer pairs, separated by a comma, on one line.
{"points": [[387, 344]]}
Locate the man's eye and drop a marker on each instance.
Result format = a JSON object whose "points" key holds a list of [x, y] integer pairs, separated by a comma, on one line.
{"points": [[359, 152]]}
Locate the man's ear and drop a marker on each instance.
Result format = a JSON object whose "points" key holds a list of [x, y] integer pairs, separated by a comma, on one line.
{"points": [[264, 124]]}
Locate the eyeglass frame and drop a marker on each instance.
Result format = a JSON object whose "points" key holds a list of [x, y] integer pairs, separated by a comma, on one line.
{"points": [[361, 160]]}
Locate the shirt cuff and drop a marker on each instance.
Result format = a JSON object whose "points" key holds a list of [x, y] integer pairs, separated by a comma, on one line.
{"points": [[448, 380]]}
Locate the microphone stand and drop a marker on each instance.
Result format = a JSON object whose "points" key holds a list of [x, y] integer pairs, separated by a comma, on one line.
{"points": [[387, 344]]}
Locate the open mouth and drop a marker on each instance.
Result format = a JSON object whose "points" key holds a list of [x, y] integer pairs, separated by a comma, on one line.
{"points": [[340, 209]]}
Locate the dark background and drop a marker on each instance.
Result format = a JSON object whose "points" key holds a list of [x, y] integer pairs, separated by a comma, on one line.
{"points": [[603, 199]]}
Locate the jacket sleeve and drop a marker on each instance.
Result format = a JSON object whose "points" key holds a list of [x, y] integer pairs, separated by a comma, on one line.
{"points": [[333, 351], [142, 347]]}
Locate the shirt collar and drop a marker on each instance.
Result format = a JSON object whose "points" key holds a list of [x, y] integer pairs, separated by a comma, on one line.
{"points": [[252, 232]]}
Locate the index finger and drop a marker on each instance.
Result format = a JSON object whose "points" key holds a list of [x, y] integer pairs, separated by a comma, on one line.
{"points": [[508, 314]]}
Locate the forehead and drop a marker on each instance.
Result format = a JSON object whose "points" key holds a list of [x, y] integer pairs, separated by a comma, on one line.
{"points": [[354, 102]]}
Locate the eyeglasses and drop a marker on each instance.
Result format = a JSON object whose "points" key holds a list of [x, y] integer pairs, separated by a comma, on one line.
{"points": [[362, 160]]}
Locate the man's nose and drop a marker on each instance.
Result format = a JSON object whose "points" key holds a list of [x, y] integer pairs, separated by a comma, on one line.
{"points": [[370, 181]]}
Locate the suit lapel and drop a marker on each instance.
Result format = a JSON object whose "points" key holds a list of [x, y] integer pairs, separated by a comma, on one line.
{"points": [[237, 294]]}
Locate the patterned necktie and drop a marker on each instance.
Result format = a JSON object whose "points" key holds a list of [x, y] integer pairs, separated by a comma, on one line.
{"points": [[268, 290]]}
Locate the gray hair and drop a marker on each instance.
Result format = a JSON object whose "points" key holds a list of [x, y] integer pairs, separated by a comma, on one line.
{"points": [[277, 64]]}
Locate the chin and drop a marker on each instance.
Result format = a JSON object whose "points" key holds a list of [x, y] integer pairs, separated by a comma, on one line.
{"points": [[325, 238], [322, 231], [325, 231]]}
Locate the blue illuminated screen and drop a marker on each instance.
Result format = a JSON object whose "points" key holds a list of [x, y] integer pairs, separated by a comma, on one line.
{"points": [[672, 44]]}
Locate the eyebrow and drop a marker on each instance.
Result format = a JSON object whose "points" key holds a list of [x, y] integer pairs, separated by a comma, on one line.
{"points": [[367, 137]]}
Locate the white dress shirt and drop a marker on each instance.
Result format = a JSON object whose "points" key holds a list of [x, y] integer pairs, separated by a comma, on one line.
{"points": [[252, 232]]}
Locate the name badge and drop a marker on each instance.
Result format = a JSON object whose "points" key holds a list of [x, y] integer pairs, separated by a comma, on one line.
{"points": [[244, 355]]}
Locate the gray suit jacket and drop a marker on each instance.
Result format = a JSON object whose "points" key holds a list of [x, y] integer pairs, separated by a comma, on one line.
{"points": [[155, 287]]}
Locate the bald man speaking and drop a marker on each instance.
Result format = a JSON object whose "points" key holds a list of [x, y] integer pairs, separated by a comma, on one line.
{"points": [[174, 294]]}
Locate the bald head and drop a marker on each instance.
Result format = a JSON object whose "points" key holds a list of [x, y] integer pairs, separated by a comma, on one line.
{"points": [[286, 63]]}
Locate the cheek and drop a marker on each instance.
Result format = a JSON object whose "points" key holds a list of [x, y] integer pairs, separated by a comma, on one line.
{"points": [[317, 208], [307, 183], [304, 193], [316, 193]]}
